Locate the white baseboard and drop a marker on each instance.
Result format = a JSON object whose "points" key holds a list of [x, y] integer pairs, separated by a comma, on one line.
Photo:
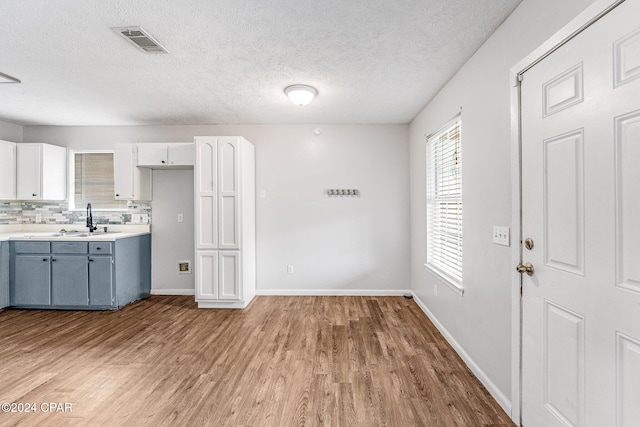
{"points": [[332, 292], [173, 291], [223, 304], [502, 400]]}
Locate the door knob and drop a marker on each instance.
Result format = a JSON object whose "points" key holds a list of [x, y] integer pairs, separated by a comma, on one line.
{"points": [[525, 268]]}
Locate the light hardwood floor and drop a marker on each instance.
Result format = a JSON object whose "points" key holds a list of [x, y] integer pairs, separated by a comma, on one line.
{"points": [[283, 361]]}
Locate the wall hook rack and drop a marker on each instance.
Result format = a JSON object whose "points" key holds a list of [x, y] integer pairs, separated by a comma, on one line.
{"points": [[343, 192]]}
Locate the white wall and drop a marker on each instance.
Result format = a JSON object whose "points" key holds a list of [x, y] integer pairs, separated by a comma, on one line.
{"points": [[480, 321], [10, 132], [337, 244], [172, 241]]}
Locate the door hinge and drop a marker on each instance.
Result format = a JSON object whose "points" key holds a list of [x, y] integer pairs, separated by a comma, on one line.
{"points": [[520, 76]]}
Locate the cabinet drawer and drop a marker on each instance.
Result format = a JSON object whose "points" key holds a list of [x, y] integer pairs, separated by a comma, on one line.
{"points": [[69, 247], [32, 247], [100, 247]]}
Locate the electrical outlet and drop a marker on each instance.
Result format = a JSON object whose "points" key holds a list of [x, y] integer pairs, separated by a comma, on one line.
{"points": [[435, 290], [289, 269], [501, 235], [136, 218], [38, 218], [180, 218], [144, 218], [263, 194]]}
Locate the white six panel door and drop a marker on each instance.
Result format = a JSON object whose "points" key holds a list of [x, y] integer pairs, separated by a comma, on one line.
{"points": [[581, 207]]}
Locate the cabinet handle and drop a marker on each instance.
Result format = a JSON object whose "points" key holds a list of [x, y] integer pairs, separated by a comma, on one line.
{"points": [[98, 248], [117, 195], [90, 260], [34, 194], [53, 259], [163, 161], [44, 259]]}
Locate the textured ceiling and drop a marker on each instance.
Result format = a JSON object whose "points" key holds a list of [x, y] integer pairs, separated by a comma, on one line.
{"points": [[373, 61]]}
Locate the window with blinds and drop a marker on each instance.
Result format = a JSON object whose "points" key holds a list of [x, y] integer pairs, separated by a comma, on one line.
{"points": [[444, 202], [92, 182]]}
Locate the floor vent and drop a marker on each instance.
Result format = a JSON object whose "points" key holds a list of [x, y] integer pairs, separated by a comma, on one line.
{"points": [[140, 39]]}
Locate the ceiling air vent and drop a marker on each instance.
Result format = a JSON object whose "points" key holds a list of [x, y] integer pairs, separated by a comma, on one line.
{"points": [[140, 39]]}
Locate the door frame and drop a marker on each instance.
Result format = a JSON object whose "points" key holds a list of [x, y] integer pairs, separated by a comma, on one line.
{"points": [[586, 18]]}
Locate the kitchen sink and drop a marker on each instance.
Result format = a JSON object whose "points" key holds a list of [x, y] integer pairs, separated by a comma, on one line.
{"points": [[43, 235], [86, 234]]}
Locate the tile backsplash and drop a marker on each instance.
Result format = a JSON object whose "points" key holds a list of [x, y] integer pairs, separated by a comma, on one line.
{"points": [[53, 212]]}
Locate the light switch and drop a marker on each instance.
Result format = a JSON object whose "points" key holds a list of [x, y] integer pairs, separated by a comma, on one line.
{"points": [[501, 235], [180, 218]]}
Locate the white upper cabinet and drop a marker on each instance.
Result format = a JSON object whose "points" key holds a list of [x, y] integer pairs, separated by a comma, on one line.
{"points": [[206, 197], [129, 181], [228, 192], [181, 154], [156, 155], [152, 154], [7, 170], [41, 172]]}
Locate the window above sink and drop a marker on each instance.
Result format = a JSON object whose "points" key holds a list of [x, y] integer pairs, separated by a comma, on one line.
{"points": [[91, 180]]}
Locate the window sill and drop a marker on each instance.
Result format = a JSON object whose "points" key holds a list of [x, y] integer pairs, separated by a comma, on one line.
{"points": [[455, 287]]}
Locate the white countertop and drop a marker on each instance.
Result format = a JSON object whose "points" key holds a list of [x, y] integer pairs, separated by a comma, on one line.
{"points": [[46, 232]]}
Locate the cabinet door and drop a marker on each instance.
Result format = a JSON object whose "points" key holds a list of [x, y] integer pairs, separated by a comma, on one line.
{"points": [[69, 280], [29, 171], [180, 154], [32, 280], [123, 171], [206, 275], [229, 275], [100, 280], [206, 184], [228, 187], [54, 172], [4, 274], [152, 154], [7, 170], [129, 181]]}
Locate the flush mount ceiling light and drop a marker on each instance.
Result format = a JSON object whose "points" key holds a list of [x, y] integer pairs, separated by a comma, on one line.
{"points": [[301, 94], [5, 78]]}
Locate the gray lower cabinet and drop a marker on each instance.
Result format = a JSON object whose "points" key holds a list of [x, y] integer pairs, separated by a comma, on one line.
{"points": [[100, 280], [69, 280], [80, 275], [34, 273], [4, 274]]}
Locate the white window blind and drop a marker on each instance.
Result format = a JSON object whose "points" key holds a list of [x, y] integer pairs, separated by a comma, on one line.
{"points": [[444, 202], [93, 182]]}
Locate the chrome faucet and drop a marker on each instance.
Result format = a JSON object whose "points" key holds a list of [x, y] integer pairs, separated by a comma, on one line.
{"points": [[90, 225]]}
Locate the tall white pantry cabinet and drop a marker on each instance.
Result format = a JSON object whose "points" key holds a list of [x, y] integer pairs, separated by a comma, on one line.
{"points": [[225, 266]]}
